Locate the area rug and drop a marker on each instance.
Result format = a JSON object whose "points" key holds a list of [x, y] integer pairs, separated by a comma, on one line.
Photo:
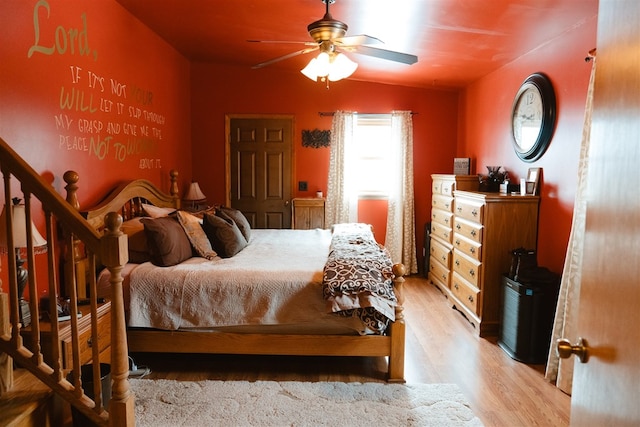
{"points": [[293, 403]]}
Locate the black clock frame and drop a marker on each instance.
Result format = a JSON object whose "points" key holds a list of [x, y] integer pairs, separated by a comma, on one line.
{"points": [[542, 83]]}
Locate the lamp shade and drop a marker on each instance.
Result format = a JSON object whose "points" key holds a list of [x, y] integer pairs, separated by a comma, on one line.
{"points": [[194, 193], [19, 230], [334, 66]]}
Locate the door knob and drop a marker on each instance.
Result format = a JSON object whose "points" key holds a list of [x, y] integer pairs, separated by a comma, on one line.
{"points": [[565, 349]]}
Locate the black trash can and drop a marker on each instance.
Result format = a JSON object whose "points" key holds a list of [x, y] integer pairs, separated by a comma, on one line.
{"points": [[528, 308], [79, 419]]}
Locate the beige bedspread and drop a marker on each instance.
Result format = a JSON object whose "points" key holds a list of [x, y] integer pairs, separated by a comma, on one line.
{"points": [[275, 280]]}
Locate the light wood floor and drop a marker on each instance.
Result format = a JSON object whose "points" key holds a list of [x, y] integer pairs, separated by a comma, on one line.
{"points": [[441, 348]]}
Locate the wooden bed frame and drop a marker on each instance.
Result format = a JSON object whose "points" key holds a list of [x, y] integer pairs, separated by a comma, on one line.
{"points": [[127, 198]]}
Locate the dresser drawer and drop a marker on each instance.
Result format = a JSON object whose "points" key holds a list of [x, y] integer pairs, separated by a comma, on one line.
{"points": [[442, 217], [440, 253], [445, 203], [469, 230], [469, 269], [467, 247], [85, 342], [439, 271], [467, 295], [441, 232], [469, 210]]}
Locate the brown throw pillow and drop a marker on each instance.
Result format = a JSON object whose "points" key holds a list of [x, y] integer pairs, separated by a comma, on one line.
{"points": [[197, 236], [168, 243], [138, 248], [239, 218], [224, 235]]}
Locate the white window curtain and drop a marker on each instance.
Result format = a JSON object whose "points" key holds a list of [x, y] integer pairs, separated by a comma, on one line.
{"points": [[342, 200], [565, 324], [401, 236]]}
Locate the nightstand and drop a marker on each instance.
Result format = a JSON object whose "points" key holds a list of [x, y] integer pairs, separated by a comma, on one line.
{"points": [[308, 213], [85, 342]]}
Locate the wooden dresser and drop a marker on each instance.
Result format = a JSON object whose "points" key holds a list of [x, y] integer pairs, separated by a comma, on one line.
{"points": [[307, 213], [487, 227], [440, 245], [84, 341]]}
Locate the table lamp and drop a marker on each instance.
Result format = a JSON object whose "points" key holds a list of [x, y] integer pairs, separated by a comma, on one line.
{"points": [[19, 232], [195, 195]]}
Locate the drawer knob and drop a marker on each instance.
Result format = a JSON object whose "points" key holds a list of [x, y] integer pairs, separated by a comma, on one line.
{"points": [[470, 298], [457, 242], [472, 273], [459, 209], [472, 250], [90, 342], [458, 227], [458, 262], [444, 257], [446, 221], [474, 212], [446, 205], [473, 233], [455, 285]]}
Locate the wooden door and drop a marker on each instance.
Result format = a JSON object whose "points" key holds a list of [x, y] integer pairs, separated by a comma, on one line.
{"points": [[606, 389], [259, 169]]}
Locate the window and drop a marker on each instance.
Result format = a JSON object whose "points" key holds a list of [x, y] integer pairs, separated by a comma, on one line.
{"points": [[372, 155]]}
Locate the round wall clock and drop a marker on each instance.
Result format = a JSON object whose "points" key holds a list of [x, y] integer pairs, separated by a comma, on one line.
{"points": [[533, 117]]}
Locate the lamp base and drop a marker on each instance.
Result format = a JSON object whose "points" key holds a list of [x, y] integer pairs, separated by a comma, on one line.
{"points": [[25, 313]]}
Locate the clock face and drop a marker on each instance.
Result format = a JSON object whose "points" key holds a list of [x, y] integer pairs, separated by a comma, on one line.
{"points": [[527, 118]]}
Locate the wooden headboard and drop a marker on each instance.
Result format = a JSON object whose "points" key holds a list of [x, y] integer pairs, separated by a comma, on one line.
{"points": [[126, 199]]}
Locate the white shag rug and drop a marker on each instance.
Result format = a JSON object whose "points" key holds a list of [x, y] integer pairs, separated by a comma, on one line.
{"points": [[292, 403]]}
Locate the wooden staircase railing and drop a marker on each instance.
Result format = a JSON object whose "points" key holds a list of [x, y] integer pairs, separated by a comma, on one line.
{"points": [[66, 226]]}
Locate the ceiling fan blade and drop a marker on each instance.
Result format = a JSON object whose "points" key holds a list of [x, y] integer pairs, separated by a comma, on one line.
{"points": [[307, 43], [358, 40], [287, 56], [390, 55]]}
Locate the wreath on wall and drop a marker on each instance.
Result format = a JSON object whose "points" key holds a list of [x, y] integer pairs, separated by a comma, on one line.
{"points": [[316, 138]]}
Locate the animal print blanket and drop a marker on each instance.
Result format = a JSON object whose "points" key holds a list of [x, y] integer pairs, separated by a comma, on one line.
{"points": [[358, 278]]}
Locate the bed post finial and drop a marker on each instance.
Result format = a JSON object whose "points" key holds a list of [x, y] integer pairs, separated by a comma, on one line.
{"points": [[71, 178], [173, 189]]}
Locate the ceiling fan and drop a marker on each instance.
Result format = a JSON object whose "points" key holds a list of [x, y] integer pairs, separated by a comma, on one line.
{"points": [[329, 37]]}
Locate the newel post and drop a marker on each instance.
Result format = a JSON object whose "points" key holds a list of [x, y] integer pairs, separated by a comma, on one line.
{"points": [[114, 255]]}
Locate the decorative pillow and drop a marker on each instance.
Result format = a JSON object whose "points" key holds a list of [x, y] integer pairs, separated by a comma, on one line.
{"points": [[157, 212], [138, 248], [168, 243], [224, 235], [196, 235], [200, 214], [237, 217]]}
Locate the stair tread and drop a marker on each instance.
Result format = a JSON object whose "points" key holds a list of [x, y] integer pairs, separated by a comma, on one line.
{"points": [[27, 394]]}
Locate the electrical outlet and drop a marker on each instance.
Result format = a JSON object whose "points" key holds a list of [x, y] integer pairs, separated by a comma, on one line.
{"points": [[302, 185]]}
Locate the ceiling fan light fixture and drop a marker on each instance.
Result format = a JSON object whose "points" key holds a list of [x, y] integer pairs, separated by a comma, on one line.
{"points": [[341, 67], [332, 66]]}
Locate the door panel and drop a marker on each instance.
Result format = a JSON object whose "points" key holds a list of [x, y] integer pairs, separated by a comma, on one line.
{"points": [[260, 167], [606, 389]]}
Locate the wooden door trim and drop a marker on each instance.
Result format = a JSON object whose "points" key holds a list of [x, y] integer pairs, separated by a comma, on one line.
{"points": [[227, 147]]}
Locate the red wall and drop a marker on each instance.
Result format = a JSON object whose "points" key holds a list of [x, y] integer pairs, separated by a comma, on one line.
{"points": [[73, 49], [192, 100], [485, 129], [218, 90]]}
